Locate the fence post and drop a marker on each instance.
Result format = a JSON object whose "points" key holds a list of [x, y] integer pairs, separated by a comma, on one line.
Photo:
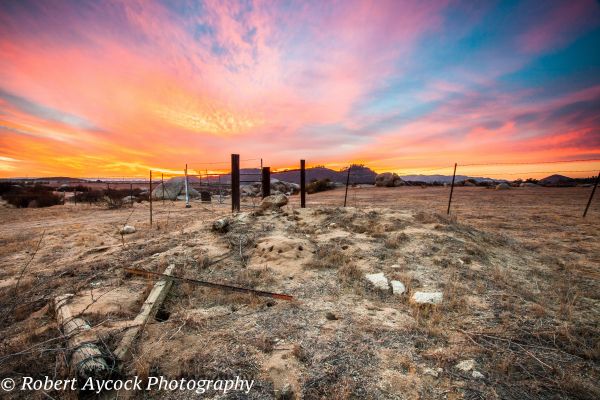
{"points": [[591, 195], [162, 182], [150, 198], [302, 184], [235, 183], [347, 183], [266, 181], [451, 189], [187, 195], [131, 192]]}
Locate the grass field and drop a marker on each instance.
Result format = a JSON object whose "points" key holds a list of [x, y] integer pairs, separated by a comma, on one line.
{"points": [[518, 270]]}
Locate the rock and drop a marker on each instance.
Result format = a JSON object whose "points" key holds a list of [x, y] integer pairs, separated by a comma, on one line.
{"points": [[388, 179], [379, 281], [528, 184], [469, 183], [502, 186], [427, 297], [432, 372], [129, 199], [398, 288], [477, 375], [221, 225], [273, 201], [395, 266], [127, 229], [172, 188], [465, 365]]}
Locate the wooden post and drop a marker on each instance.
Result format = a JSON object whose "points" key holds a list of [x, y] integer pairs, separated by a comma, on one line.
{"points": [[451, 189], [235, 183], [266, 181], [302, 184], [151, 198], [162, 182], [591, 195], [347, 183]]}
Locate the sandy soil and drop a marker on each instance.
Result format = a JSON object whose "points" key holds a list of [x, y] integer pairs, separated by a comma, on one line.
{"points": [[518, 270]]}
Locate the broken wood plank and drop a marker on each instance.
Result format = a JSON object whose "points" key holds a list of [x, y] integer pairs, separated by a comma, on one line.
{"points": [[86, 358], [148, 310]]}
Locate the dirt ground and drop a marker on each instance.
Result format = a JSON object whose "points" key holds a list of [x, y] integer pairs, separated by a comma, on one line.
{"points": [[518, 270]]}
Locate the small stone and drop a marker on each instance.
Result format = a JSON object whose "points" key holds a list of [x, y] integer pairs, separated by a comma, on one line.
{"points": [[395, 266], [398, 288], [221, 225], [127, 229], [477, 375], [427, 297], [431, 372], [465, 365], [379, 281]]}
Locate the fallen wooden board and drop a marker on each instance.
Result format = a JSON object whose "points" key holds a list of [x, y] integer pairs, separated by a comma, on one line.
{"points": [[86, 358], [148, 310]]}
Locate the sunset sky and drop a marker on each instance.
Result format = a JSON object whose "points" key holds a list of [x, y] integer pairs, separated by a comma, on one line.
{"points": [[114, 88]]}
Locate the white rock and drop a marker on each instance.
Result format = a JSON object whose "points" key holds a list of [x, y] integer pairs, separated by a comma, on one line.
{"points": [[127, 229], [465, 365], [432, 372], [378, 280], [398, 287], [477, 375], [395, 266], [427, 297]]}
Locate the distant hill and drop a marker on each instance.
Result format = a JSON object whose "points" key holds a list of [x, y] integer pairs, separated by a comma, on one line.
{"points": [[446, 179], [557, 180]]}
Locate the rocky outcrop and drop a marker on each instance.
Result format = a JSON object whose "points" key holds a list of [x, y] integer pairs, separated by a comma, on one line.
{"points": [[277, 187], [174, 189], [502, 186], [388, 179], [274, 201]]}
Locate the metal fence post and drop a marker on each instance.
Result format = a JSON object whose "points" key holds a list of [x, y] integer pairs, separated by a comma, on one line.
{"points": [[302, 184], [150, 198], [451, 189], [187, 194], [347, 183], [235, 183], [266, 181], [591, 195]]}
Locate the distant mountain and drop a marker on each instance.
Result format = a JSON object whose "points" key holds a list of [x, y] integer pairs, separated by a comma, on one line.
{"points": [[557, 180], [446, 178], [358, 174]]}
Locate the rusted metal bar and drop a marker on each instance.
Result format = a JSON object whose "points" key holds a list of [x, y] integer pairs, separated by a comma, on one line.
{"points": [[266, 181], [238, 289], [235, 183], [302, 184], [591, 195], [451, 189]]}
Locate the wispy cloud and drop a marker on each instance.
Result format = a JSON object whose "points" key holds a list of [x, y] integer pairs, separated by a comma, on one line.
{"points": [[93, 87]]}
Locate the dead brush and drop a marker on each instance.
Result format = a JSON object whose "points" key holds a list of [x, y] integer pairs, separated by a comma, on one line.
{"points": [[395, 240], [349, 273], [328, 257]]}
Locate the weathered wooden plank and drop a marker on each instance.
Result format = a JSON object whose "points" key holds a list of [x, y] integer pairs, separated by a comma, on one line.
{"points": [[148, 310]]}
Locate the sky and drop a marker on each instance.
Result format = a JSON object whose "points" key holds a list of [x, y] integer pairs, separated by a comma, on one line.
{"points": [[116, 88]]}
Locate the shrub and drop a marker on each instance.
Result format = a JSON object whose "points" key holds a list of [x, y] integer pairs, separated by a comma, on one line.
{"points": [[319, 185], [89, 196], [36, 196]]}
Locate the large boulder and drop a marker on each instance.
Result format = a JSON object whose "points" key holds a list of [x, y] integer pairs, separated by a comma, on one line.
{"points": [[174, 189], [273, 201], [502, 186], [277, 187], [388, 179]]}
